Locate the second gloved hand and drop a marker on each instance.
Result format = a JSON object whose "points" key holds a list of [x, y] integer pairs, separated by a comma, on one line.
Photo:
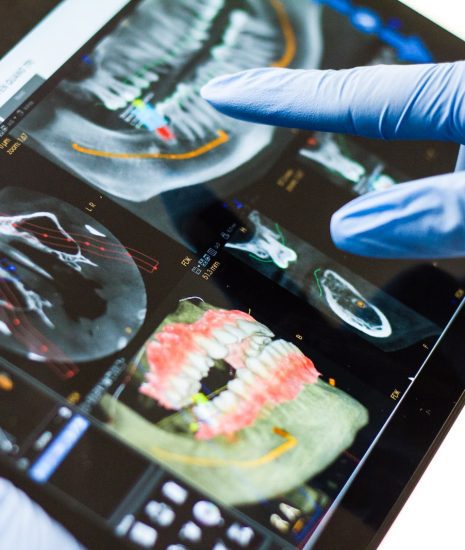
{"points": [[421, 219]]}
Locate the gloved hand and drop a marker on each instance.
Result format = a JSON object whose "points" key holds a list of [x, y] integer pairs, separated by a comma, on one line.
{"points": [[421, 219], [25, 526]]}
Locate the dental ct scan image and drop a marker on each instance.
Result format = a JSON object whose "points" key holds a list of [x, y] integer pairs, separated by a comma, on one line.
{"points": [[130, 119], [48, 254], [188, 361]]}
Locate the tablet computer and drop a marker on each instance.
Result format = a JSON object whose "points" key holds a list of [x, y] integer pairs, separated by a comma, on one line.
{"points": [[187, 361]]}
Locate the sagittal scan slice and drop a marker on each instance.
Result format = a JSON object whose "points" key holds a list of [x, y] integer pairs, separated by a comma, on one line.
{"points": [[130, 118], [232, 407], [69, 290], [344, 162]]}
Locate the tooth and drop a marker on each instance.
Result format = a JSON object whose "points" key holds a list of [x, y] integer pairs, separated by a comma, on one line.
{"points": [[174, 398], [253, 352], [150, 75], [237, 333], [256, 366], [184, 95], [200, 362], [281, 347], [268, 358], [214, 349], [195, 125], [205, 412], [181, 387], [260, 341], [192, 372], [170, 109], [246, 376], [274, 351], [139, 82], [111, 100], [225, 401], [254, 328], [237, 20], [127, 91], [204, 107], [194, 104], [224, 337], [238, 387]]}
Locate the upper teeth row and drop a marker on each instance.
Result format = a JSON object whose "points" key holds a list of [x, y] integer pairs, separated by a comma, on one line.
{"points": [[156, 38], [238, 389], [181, 388]]}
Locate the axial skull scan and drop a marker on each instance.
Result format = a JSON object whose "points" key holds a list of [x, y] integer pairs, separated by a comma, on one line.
{"points": [[51, 252], [130, 119], [236, 410]]}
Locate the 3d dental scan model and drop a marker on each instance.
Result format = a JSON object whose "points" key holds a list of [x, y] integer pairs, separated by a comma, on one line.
{"points": [[302, 269], [231, 407], [52, 251], [130, 119]]}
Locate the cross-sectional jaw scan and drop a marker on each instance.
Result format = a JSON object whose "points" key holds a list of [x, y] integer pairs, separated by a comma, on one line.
{"points": [[350, 306], [305, 271], [232, 407], [266, 244], [51, 252], [130, 119]]}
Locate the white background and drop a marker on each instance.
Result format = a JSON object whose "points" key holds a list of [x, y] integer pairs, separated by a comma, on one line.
{"points": [[450, 14]]}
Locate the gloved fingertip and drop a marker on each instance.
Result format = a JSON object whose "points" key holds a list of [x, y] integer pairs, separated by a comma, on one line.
{"points": [[214, 88], [357, 229], [341, 229], [252, 95]]}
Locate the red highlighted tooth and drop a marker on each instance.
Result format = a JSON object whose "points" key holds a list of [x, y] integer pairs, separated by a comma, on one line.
{"points": [[165, 133]]}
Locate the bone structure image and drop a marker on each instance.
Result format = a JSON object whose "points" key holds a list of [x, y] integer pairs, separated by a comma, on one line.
{"points": [[232, 407], [266, 244], [330, 287], [52, 251], [331, 152], [350, 306], [130, 119]]}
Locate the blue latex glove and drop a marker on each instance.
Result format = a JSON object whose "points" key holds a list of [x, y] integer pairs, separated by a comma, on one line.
{"points": [[25, 526], [421, 219]]}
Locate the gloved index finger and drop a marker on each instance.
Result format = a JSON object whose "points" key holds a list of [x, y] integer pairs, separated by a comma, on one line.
{"points": [[384, 101]]}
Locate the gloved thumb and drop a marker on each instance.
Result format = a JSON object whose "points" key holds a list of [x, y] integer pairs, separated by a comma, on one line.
{"points": [[421, 219]]}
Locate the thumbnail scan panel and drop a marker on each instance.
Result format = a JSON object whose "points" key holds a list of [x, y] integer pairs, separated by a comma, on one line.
{"points": [[335, 290], [346, 164], [53, 252], [130, 119], [77, 276]]}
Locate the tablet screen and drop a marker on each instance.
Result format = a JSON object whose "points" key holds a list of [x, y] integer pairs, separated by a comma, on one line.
{"points": [[206, 368]]}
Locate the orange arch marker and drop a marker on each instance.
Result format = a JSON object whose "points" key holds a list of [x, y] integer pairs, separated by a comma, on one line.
{"points": [[289, 36], [222, 138]]}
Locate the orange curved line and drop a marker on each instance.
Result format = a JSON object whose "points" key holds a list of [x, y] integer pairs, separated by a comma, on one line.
{"points": [[289, 36], [284, 61], [289, 443], [223, 137]]}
